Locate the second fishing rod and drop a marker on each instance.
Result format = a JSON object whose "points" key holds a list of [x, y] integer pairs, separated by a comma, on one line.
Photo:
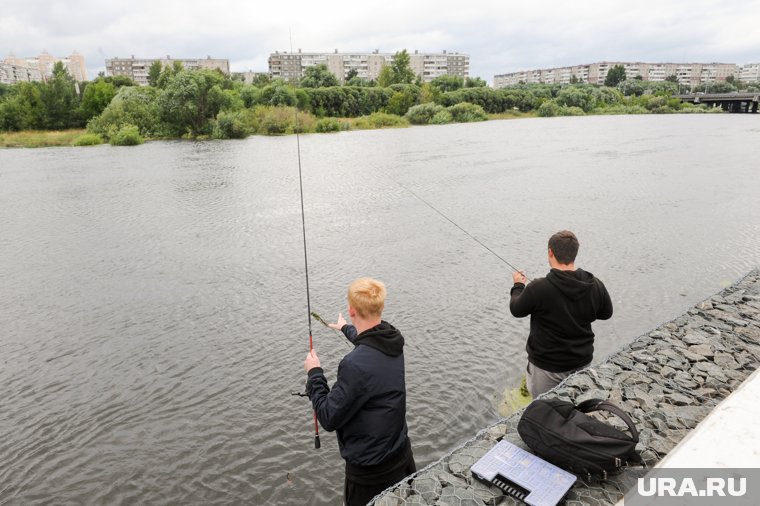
{"points": [[515, 269]]}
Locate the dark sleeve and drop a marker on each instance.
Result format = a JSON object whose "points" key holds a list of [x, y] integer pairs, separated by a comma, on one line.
{"points": [[605, 308], [521, 301], [349, 331], [337, 406]]}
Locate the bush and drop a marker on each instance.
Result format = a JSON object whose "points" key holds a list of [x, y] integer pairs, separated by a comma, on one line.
{"points": [[549, 109], [325, 125], [466, 113], [230, 125], [622, 109], [131, 106], [380, 120], [88, 140], [423, 113], [572, 111], [441, 118], [277, 121], [282, 120], [127, 135]]}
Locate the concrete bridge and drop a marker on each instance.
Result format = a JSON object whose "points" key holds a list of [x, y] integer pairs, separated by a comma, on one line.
{"points": [[730, 102]]}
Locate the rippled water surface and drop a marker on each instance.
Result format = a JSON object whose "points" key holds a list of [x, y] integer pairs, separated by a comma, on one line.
{"points": [[152, 299]]}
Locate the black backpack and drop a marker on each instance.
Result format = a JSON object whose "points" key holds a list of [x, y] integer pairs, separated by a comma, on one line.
{"points": [[561, 433]]}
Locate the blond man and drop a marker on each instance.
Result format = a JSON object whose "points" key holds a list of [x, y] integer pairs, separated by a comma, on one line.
{"points": [[367, 403]]}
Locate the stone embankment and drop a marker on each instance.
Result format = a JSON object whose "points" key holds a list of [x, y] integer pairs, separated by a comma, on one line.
{"points": [[668, 380]]}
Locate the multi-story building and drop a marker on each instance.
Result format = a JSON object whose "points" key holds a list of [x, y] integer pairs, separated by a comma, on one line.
{"points": [[40, 68], [688, 74], [427, 66], [12, 74], [750, 73], [137, 69]]}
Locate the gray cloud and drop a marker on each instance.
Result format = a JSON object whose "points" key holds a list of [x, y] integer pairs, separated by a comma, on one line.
{"points": [[500, 36]]}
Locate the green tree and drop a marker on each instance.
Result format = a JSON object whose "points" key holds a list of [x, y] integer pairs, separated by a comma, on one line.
{"points": [[318, 76], [359, 82], [154, 72], [60, 99], [132, 105], [474, 82], [351, 74], [22, 108], [96, 97], [191, 100], [402, 70], [447, 83], [672, 78], [385, 78], [615, 76], [574, 79], [260, 80]]}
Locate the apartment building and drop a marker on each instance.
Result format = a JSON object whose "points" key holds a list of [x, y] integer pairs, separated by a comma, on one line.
{"points": [[12, 74], [427, 66], [688, 74], [40, 68], [137, 69], [750, 73]]}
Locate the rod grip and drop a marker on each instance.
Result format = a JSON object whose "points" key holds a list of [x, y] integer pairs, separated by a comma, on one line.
{"points": [[317, 444]]}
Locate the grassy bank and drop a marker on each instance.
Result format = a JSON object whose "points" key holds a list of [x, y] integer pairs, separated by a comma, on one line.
{"points": [[282, 122], [39, 138]]}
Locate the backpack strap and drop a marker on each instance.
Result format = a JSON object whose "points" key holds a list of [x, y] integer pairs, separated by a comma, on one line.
{"points": [[601, 405]]}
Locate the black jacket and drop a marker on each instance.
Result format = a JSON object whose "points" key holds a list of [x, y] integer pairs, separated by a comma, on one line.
{"points": [[562, 306], [367, 404]]}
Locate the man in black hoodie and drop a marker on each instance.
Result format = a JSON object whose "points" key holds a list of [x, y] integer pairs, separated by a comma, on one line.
{"points": [[367, 403], [561, 307]]}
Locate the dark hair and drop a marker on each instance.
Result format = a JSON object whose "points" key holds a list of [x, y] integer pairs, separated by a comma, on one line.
{"points": [[564, 245]]}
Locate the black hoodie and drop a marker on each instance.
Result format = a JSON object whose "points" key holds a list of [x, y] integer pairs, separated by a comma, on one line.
{"points": [[367, 403], [561, 307]]}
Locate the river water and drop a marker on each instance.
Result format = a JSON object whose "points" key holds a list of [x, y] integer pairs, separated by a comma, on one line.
{"points": [[152, 299]]}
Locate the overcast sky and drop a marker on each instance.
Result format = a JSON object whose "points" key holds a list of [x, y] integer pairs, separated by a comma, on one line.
{"points": [[500, 36]]}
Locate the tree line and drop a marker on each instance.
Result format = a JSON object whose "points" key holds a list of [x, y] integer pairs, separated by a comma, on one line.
{"points": [[208, 103]]}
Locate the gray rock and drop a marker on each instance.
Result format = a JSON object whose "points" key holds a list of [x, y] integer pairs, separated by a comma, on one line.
{"points": [[456, 496], [704, 350], [390, 499], [415, 500], [667, 372], [692, 339], [678, 399], [592, 394], [489, 495], [659, 334], [693, 357], [428, 487], [450, 480], [684, 379], [726, 361], [704, 305], [711, 370]]}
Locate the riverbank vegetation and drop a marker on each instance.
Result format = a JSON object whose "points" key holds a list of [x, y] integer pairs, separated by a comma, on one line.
{"points": [[206, 104]]}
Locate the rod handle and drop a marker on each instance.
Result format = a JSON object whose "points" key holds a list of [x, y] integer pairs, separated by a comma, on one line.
{"points": [[317, 444]]}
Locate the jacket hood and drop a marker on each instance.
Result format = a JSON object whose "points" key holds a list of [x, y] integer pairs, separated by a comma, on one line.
{"points": [[573, 284], [383, 337]]}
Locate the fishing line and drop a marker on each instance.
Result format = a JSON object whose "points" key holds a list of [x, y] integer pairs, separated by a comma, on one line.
{"points": [[463, 230], [305, 257]]}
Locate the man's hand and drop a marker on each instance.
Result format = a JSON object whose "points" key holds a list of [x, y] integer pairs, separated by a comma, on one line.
{"points": [[519, 277], [311, 361], [339, 324]]}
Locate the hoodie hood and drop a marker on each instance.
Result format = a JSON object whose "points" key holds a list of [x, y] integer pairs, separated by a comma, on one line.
{"points": [[573, 284], [383, 337]]}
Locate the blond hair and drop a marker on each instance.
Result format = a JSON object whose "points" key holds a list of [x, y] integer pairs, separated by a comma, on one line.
{"points": [[367, 297]]}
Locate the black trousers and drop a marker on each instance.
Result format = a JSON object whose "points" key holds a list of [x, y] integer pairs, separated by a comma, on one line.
{"points": [[359, 490]]}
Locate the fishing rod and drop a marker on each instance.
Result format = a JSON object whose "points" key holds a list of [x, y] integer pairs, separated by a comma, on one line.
{"points": [[317, 445], [463, 230]]}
